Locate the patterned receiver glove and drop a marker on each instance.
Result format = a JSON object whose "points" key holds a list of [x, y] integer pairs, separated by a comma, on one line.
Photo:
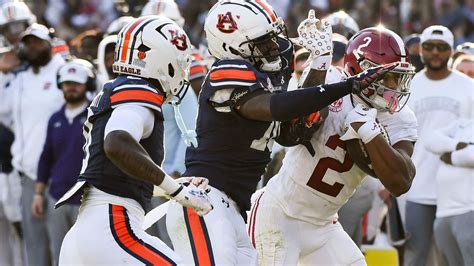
{"points": [[316, 37], [364, 79]]}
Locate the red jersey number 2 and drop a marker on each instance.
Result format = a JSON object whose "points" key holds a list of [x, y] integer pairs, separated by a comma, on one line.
{"points": [[316, 179]]}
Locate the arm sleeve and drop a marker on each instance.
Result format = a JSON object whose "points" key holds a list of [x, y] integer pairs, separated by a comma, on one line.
{"points": [[46, 159], [288, 105], [440, 141], [137, 120], [463, 157]]}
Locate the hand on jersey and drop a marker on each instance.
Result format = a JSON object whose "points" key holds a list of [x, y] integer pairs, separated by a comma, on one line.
{"points": [[195, 198], [360, 114], [364, 79], [316, 36]]}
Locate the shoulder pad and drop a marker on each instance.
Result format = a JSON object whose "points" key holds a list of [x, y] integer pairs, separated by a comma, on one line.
{"points": [[127, 89], [232, 73]]}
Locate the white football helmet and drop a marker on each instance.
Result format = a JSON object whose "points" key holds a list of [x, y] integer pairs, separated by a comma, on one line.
{"points": [[15, 12], [167, 8], [155, 47], [116, 25], [238, 29], [343, 24]]}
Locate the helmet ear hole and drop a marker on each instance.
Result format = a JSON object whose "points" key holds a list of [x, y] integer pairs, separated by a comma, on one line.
{"points": [[170, 70]]}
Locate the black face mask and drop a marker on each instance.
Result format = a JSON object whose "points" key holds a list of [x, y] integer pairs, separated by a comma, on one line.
{"points": [[415, 60], [39, 59]]}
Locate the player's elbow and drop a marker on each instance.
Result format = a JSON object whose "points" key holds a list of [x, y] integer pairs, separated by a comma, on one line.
{"points": [[112, 147], [400, 183]]}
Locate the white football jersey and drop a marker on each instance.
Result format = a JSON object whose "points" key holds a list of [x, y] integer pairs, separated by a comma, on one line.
{"points": [[315, 188]]}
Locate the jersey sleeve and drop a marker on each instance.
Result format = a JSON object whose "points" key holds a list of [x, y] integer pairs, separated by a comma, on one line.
{"points": [[231, 81], [138, 94], [140, 121], [402, 126], [232, 74], [198, 67]]}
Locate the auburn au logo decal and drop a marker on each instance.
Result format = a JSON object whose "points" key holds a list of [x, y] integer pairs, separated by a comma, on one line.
{"points": [[178, 40], [226, 23]]}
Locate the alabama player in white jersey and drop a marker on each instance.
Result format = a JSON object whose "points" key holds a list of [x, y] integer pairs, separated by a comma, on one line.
{"points": [[294, 220]]}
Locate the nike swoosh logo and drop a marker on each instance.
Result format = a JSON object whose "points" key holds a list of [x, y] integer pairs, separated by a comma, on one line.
{"points": [[361, 114]]}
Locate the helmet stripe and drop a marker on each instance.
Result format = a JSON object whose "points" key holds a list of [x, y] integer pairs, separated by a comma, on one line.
{"points": [[130, 55], [268, 10], [126, 42]]}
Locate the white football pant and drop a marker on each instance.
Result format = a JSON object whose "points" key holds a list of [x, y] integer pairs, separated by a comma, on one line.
{"points": [[109, 231], [217, 238], [283, 240]]}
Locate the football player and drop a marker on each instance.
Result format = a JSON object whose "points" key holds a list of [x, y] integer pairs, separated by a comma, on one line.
{"points": [[294, 220], [124, 148], [240, 104]]}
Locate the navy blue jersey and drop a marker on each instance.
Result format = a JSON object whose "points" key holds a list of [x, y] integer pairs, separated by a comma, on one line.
{"points": [[97, 169], [280, 79], [232, 151]]}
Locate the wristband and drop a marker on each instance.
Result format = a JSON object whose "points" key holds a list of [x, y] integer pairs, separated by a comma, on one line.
{"points": [[368, 131], [322, 62], [169, 185]]}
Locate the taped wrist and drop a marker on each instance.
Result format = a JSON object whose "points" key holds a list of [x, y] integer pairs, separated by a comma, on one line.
{"points": [[170, 186], [368, 131], [293, 104], [322, 62]]}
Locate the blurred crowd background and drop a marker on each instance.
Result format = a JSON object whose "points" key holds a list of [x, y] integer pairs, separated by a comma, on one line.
{"points": [[72, 17]]}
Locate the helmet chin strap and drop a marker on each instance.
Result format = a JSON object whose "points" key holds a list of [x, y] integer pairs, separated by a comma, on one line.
{"points": [[189, 136]]}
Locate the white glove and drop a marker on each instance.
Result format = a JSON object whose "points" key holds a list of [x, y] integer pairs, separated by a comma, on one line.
{"points": [[359, 114], [194, 198], [199, 182], [316, 37]]}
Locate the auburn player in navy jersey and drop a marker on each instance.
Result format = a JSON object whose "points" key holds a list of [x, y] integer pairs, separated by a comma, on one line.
{"points": [[124, 148], [241, 101]]}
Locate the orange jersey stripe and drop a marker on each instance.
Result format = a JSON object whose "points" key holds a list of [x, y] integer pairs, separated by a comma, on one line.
{"points": [[130, 242], [126, 41], [267, 9], [233, 74], [197, 69], [199, 239], [197, 56], [137, 95]]}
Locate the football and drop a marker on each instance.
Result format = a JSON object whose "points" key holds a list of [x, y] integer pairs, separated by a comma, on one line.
{"points": [[359, 155]]}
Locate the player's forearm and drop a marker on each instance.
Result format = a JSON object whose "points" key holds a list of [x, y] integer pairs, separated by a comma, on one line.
{"points": [[393, 167], [293, 104], [130, 157]]}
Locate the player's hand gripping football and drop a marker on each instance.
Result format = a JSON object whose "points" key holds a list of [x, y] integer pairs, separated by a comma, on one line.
{"points": [[361, 123], [314, 35], [194, 198], [364, 79], [360, 114]]}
